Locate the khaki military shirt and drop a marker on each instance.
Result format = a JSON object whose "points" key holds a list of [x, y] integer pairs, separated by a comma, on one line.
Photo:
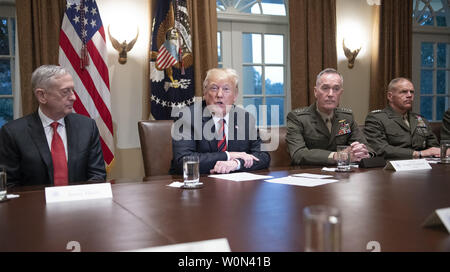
{"points": [[308, 138], [390, 137], [445, 130]]}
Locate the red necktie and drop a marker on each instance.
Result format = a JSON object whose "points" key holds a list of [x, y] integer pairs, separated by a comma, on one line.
{"points": [[60, 173], [222, 144]]}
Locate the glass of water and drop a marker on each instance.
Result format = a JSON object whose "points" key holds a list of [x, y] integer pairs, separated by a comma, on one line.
{"points": [[343, 158], [3, 183], [445, 152], [191, 171], [322, 229]]}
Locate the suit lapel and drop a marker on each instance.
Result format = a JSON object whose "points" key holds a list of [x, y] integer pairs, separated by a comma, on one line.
{"points": [[37, 133], [318, 122], [334, 128], [398, 119], [71, 143], [232, 130], [207, 117], [412, 123]]}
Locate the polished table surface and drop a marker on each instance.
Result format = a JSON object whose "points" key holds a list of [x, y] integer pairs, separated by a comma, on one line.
{"points": [[376, 205]]}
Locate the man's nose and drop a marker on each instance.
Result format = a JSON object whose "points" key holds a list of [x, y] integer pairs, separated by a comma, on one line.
{"points": [[72, 96]]}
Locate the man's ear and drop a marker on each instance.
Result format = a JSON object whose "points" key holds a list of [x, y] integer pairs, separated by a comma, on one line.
{"points": [[389, 95], [40, 95]]}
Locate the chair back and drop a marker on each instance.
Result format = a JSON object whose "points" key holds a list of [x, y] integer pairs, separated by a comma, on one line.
{"points": [[156, 146], [280, 156]]}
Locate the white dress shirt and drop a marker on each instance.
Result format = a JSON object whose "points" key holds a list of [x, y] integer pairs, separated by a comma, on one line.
{"points": [[46, 123]]}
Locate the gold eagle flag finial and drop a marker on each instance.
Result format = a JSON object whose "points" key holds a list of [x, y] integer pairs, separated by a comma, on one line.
{"points": [[123, 47]]}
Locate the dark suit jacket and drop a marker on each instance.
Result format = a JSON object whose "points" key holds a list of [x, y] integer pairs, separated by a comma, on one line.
{"points": [[25, 153], [197, 136]]}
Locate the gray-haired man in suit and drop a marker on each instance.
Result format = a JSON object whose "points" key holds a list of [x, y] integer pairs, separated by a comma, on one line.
{"points": [[52, 146]]}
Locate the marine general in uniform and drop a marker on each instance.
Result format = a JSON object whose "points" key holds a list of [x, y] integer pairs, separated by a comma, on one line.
{"points": [[397, 133], [314, 132]]}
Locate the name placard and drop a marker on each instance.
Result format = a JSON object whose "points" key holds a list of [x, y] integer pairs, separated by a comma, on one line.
{"points": [[78, 192], [408, 165], [439, 217]]}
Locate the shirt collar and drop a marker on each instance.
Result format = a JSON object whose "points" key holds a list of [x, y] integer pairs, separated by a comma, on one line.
{"points": [[217, 119], [325, 116], [47, 121]]}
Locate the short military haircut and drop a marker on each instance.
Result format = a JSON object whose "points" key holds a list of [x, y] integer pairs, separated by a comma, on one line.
{"points": [[395, 81], [329, 71]]}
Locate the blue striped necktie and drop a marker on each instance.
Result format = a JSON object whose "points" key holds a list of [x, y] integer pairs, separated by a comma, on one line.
{"points": [[222, 143]]}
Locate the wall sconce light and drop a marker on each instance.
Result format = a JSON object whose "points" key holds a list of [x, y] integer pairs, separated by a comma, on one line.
{"points": [[123, 47], [350, 54]]}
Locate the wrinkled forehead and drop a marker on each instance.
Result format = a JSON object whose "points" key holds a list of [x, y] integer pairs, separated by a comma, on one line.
{"points": [[402, 85], [221, 78], [330, 79]]}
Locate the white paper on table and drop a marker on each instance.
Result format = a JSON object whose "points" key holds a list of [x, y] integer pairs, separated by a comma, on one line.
{"points": [[313, 176], [306, 182], [244, 176], [328, 169], [177, 184], [216, 245]]}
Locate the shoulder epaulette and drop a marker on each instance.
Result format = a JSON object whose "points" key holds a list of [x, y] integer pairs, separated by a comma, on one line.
{"points": [[376, 111], [345, 110], [301, 110]]}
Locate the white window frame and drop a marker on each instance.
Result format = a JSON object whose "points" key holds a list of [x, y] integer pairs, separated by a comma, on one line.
{"points": [[432, 34], [232, 26], [9, 11]]}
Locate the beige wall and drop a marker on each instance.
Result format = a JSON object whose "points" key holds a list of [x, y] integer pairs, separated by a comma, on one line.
{"points": [[354, 20], [129, 82]]}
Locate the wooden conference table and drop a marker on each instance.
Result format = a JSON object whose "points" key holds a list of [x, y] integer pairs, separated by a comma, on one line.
{"points": [[376, 205]]}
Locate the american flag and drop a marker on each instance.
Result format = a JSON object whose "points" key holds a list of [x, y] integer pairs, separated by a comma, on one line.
{"points": [[82, 51], [165, 58]]}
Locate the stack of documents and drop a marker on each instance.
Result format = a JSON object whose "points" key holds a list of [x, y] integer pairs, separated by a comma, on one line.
{"points": [[238, 177], [307, 180]]}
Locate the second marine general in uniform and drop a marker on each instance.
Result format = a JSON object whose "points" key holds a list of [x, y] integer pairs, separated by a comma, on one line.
{"points": [[396, 132]]}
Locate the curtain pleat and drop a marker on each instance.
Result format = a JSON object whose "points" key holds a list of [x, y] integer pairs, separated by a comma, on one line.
{"points": [[312, 26], [38, 26]]}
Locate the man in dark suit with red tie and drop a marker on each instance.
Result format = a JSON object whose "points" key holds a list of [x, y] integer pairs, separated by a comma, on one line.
{"points": [[224, 136], [52, 146]]}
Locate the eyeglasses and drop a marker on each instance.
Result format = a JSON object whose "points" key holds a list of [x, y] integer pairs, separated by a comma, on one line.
{"points": [[225, 89]]}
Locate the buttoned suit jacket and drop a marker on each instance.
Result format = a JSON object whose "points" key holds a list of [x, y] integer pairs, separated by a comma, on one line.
{"points": [[25, 152], [194, 133]]}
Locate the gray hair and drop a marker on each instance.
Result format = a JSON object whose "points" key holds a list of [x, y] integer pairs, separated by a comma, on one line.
{"points": [[329, 71], [394, 82], [42, 76], [223, 73]]}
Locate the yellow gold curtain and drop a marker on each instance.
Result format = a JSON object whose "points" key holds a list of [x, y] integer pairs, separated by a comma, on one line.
{"points": [[312, 26], [38, 26]]}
